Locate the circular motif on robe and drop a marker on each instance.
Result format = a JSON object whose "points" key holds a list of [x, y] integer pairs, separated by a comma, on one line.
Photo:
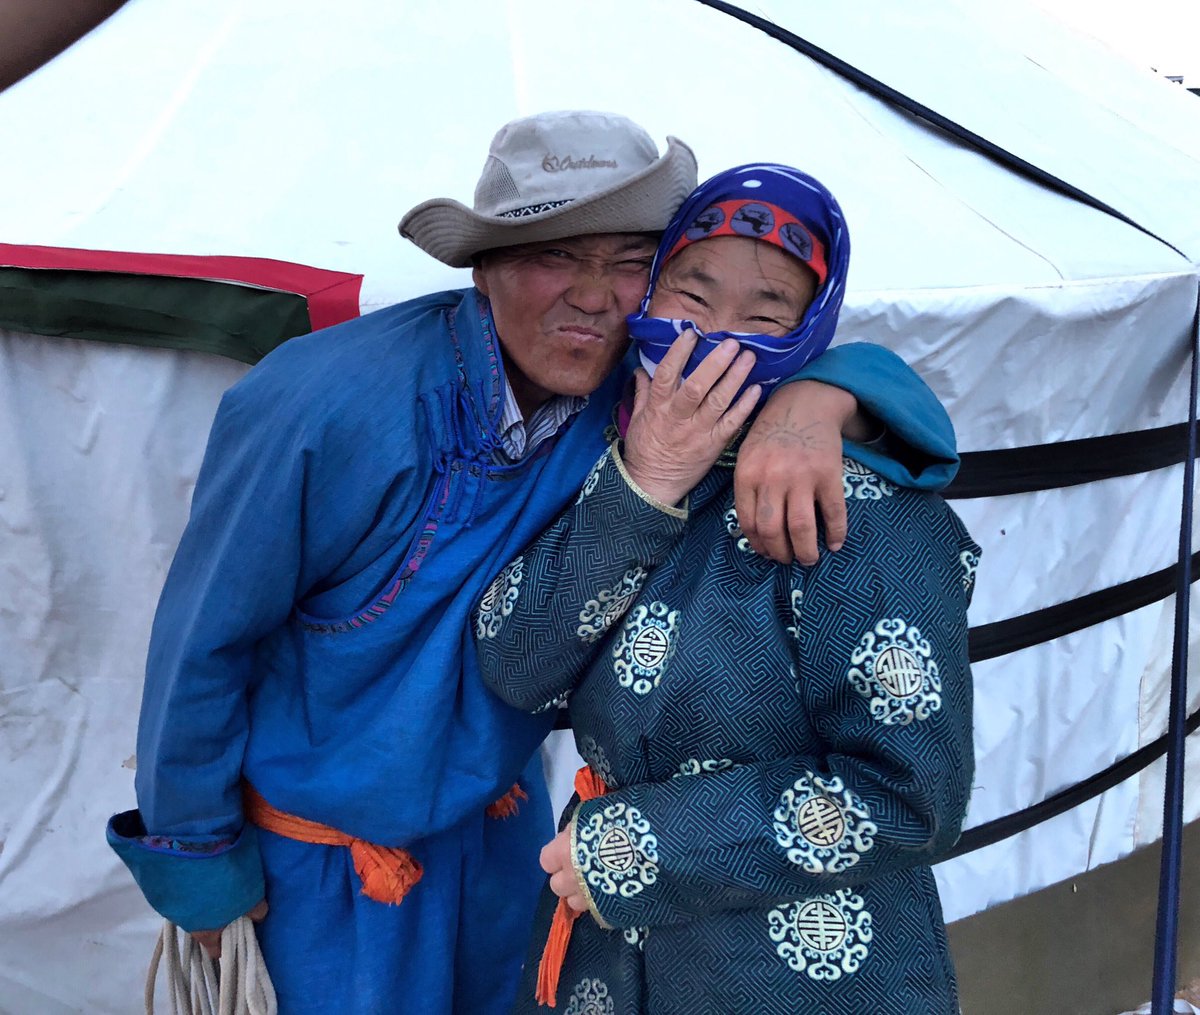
{"points": [[593, 477], [821, 926], [616, 850], [734, 528], [650, 647], [899, 672], [695, 766], [644, 648], [597, 760], [893, 667], [823, 826], [752, 220], [825, 937], [820, 821], [796, 240], [703, 224], [636, 936]]}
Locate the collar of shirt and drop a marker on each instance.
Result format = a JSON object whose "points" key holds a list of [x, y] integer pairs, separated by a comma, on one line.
{"points": [[520, 436]]}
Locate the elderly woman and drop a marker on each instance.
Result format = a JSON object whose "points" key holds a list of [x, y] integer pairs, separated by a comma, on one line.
{"points": [[776, 754]]}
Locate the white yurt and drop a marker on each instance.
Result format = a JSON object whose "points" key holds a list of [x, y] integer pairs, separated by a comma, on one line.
{"points": [[193, 183]]}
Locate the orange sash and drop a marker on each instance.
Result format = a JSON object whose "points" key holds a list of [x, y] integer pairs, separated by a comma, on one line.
{"points": [[387, 873]]}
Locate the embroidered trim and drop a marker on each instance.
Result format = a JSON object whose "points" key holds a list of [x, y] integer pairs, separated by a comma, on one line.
{"points": [[384, 603], [166, 844], [532, 209], [579, 878], [674, 512]]}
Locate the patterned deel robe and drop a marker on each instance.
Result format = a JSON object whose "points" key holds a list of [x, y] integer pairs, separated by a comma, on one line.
{"points": [[788, 749]]}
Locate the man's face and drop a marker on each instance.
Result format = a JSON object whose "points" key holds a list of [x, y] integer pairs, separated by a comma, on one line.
{"points": [[560, 309], [733, 283]]}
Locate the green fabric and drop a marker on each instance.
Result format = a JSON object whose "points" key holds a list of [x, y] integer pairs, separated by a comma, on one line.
{"points": [[223, 318]]}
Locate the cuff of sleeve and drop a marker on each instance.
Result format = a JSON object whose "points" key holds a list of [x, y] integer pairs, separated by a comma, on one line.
{"points": [[680, 512], [577, 864], [194, 890]]}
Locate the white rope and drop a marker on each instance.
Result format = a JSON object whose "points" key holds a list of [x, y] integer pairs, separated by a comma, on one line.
{"points": [[197, 985]]}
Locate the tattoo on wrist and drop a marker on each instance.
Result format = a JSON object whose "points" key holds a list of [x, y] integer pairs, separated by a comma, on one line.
{"points": [[811, 436]]}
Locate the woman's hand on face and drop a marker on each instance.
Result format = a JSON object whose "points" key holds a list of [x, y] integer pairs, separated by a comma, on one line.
{"points": [[556, 861], [680, 426]]}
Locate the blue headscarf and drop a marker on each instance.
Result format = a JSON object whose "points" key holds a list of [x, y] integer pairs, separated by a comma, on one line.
{"points": [[775, 204]]}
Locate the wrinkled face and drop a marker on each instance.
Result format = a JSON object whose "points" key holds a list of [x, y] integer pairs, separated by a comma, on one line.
{"points": [[560, 309], [733, 283]]}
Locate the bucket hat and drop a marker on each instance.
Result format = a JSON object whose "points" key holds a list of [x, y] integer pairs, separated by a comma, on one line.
{"points": [[555, 175]]}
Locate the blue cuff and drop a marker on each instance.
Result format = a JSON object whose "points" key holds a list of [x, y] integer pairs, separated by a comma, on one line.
{"points": [[194, 890]]}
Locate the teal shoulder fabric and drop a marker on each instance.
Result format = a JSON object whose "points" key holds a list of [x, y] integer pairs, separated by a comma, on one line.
{"points": [[921, 450]]}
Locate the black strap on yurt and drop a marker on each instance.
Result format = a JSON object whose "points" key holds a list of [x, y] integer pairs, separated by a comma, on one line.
{"points": [[887, 93], [1166, 931], [1034, 467]]}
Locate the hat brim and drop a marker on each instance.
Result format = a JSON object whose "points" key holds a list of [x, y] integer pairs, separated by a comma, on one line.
{"points": [[644, 203]]}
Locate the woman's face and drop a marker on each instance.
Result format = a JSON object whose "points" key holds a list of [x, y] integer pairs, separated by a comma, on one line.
{"points": [[733, 283]]}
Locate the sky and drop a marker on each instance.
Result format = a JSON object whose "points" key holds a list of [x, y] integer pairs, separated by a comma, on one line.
{"points": [[1163, 34]]}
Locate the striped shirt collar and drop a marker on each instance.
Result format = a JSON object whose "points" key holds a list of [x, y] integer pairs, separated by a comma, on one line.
{"points": [[520, 437]]}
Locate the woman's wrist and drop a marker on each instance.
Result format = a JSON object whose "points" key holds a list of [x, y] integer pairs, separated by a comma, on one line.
{"points": [[656, 490]]}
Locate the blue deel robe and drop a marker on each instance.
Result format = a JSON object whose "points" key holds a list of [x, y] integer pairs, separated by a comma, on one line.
{"points": [[787, 749], [313, 639]]}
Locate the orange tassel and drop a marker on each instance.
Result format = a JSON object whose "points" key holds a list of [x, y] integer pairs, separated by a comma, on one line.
{"points": [[386, 874], [554, 954], [589, 786], [508, 804]]}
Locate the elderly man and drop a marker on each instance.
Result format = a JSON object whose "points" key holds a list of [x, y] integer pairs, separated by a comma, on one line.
{"points": [[314, 729]]}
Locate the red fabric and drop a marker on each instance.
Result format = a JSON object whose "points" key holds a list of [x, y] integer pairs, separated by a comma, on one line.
{"points": [[725, 222], [332, 296]]}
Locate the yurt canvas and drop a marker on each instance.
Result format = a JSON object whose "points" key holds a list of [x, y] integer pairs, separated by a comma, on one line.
{"points": [[194, 183]]}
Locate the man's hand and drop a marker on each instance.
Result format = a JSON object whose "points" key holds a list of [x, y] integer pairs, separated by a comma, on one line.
{"points": [[789, 465], [210, 940], [556, 861], [679, 427]]}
